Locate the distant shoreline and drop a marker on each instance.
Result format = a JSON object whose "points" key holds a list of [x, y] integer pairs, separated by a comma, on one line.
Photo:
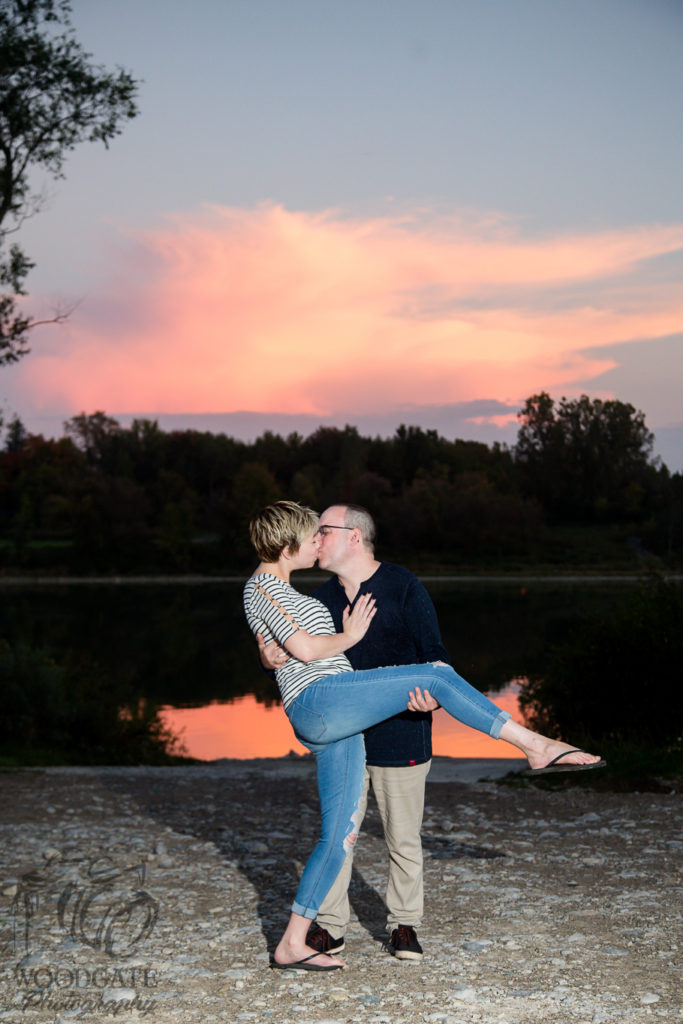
{"points": [[199, 580], [443, 769]]}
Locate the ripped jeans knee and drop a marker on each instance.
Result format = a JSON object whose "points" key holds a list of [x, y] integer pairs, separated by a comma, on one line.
{"points": [[341, 782]]}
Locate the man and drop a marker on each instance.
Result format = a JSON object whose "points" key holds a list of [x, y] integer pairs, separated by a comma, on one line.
{"points": [[405, 631]]}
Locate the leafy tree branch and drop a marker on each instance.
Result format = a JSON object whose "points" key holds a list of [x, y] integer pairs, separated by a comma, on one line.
{"points": [[52, 98]]}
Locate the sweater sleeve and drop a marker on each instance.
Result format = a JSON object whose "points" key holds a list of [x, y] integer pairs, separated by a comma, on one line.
{"points": [[420, 616]]}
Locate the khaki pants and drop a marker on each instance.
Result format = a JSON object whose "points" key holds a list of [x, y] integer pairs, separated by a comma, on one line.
{"points": [[400, 795]]}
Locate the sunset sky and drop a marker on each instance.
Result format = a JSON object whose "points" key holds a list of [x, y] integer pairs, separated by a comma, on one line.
{"points": [[372, 212]]}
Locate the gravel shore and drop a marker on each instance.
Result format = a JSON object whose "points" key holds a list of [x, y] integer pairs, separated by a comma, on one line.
{"points": [[156, 894]]}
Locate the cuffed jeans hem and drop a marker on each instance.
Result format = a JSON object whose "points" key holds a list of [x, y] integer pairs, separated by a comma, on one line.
{"points": [[498, 723], [297, 908]]}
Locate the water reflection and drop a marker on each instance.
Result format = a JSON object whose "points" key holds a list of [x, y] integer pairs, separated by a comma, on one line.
{"points": [[241, 728], [245, 728], [453, 739], [187, 648]]}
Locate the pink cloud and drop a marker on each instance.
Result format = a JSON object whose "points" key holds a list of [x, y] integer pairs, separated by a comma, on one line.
{"points": [[269, 309]]}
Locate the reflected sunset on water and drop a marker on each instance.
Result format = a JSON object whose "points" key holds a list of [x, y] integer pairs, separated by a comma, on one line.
{"points": [[246, 728]]}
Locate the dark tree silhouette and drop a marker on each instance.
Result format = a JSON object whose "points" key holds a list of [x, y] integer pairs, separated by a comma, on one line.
{"points": [[51, 99], [580, 489], [584, 459]]}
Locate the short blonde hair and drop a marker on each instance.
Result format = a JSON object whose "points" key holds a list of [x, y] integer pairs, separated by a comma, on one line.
{"points": [[280, 525]]}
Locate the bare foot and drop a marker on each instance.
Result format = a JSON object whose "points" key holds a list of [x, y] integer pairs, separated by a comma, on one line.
{"points": [[290, 953], [547, 750], [540, 750]]}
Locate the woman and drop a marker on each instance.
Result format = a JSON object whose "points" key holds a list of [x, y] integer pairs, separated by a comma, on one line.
{"points": [[329, 705]]}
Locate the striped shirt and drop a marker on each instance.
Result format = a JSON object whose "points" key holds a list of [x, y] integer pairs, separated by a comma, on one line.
{"points": [[276, 610]]}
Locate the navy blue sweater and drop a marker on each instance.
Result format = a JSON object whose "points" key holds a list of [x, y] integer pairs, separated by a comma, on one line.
{"points": [[405, 631]]}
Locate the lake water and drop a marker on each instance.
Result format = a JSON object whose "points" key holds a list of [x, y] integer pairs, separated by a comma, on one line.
{"points": [[245, 728], [186, 648]]}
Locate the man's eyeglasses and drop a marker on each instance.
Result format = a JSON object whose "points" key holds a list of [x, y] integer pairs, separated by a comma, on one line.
{"points": [[324, 530]]}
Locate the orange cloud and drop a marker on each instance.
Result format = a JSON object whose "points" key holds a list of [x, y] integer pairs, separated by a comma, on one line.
{"points": [[273, 310]]}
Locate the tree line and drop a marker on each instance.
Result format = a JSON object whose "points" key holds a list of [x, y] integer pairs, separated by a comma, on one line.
{"points": [[579, 487]]}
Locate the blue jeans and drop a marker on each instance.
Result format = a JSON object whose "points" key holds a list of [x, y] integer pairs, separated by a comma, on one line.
{"points": [[329, 716]]}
